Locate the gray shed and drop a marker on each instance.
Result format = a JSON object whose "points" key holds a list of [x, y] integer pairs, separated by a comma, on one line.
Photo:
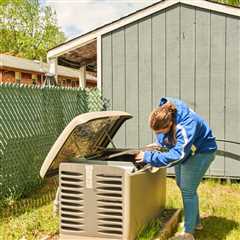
{"points": [[188, 49]]}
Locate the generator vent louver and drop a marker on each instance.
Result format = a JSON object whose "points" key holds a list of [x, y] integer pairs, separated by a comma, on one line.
{"points": [[71, 201], [109, 205]]}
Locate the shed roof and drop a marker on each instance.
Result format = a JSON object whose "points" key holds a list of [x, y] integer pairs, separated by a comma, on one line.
{"points": [[92, 35]]}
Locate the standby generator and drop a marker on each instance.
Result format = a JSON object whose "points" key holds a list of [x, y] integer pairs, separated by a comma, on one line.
{"points": [[103, 192]]}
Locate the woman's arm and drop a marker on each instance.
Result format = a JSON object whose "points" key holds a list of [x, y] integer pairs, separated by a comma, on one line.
{"points": [[185, 134]]}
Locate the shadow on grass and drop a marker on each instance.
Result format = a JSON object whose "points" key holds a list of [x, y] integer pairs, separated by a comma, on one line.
{"points": [[38, 198], [216, 228]]}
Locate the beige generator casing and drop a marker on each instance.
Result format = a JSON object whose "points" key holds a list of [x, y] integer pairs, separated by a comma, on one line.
{"points": [[107, 202], [99, 198]]}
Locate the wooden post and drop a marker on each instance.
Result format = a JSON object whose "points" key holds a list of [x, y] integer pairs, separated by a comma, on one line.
{"points": [[1, 75], [99, 63], [53, 67], [18, 77], [34, 78], [82, 76]]}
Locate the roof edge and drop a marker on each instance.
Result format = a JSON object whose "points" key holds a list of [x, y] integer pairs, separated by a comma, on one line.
{"points": [[24, 64]]}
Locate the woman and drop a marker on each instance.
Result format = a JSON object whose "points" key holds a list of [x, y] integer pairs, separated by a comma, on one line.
{"points": [[191, 147]]}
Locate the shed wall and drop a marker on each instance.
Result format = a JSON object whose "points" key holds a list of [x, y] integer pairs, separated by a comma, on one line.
{"points": [[183, 52]]}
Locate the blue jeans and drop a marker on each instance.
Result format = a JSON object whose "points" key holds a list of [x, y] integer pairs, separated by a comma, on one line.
{"points": [[188, 177]]}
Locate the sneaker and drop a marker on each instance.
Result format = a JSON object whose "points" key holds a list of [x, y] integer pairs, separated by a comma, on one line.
{"points": [[199, 227], [183, 236]]}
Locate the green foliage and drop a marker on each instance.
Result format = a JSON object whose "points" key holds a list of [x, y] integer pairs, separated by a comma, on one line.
{"points": [[27, 29], [229, 2], [150, 230]]}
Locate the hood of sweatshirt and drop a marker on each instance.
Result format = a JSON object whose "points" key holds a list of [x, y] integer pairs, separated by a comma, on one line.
{"points": [[183, 111]]}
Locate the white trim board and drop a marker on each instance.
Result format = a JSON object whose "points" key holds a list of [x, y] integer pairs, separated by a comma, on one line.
{"points": [[99, 63], [93, 35]]}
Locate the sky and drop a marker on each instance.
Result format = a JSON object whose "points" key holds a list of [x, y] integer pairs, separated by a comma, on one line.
{"points": [[76, 17]]}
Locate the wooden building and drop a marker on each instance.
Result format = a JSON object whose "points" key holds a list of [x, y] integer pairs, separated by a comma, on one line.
{"points": [[21, 70]]}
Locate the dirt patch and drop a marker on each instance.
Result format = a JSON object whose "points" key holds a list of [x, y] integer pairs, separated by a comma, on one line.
{"points": [[51, 237]]}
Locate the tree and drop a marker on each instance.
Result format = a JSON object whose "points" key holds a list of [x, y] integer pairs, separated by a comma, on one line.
{"points": [[27, 29], [229, 2]]}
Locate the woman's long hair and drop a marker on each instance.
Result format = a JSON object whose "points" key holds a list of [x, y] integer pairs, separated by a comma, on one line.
{"points": [[161, 117]]}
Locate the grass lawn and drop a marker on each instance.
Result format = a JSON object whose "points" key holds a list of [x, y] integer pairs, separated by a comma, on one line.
{"points": [[30, 217], [219, 203], [219, 209]]}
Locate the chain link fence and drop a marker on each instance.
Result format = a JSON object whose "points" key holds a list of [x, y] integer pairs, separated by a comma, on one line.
{"points": [[31, 119]]}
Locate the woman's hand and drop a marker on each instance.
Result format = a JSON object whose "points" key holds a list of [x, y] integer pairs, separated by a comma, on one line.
{"points": [[153, 145], [139, 156]]}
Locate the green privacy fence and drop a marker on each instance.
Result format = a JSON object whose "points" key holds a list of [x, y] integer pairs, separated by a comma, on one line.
{"points": [[31, 119]]}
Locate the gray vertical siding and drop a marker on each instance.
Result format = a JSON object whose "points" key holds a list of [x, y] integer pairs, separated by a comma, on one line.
{"points": [[187, 56], [132, 127], [158, 58], [203, 63], [145, 80], [173, 52], [118, 79], [182, 52], [217, 86], [232, 120], [202, 74]]}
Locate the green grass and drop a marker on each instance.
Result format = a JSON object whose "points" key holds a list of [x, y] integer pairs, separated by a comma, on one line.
{"points": [[30, 217], [150, 230], [219, 207], [33, 224]]}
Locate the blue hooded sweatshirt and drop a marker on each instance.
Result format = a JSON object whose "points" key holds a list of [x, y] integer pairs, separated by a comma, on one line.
{"points": [[193, 136]]}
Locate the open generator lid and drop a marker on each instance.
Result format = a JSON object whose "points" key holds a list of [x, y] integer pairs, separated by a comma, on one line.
{"points": [[86, 135]]}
